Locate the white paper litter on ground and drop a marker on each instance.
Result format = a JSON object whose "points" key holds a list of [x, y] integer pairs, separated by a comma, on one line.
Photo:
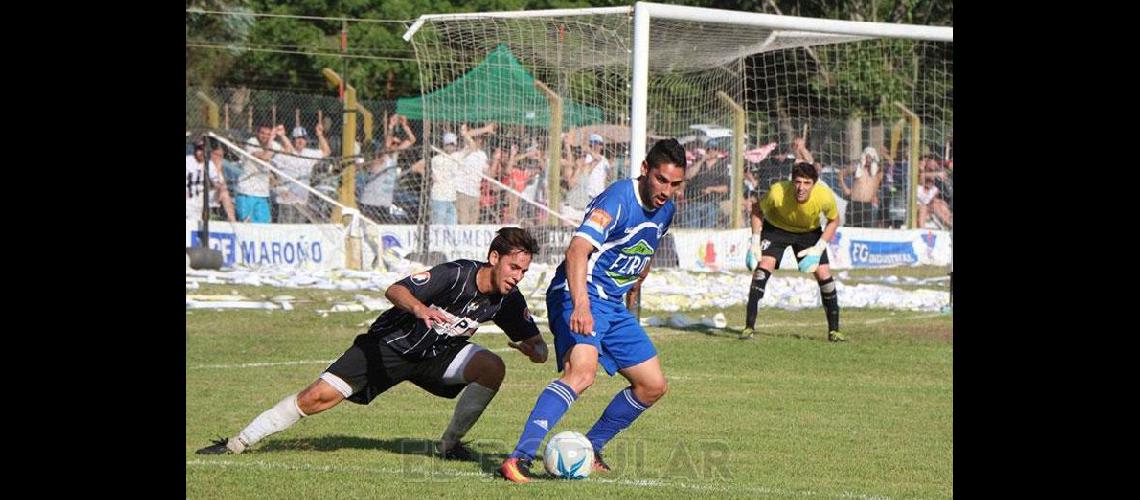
{"points": [[233, 297], [681, 320], [937, 281], [665, 290], [229, 304], [373, 303]]}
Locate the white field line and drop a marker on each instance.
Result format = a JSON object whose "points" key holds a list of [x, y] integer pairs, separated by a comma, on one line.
{"points": [[409, 475]]}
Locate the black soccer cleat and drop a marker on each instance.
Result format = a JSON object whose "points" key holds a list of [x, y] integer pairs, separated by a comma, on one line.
{"points": [[217, 448], [460, 452]]}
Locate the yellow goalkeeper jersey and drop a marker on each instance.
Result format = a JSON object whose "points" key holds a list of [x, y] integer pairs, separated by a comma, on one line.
{"points": [[781, 210]]}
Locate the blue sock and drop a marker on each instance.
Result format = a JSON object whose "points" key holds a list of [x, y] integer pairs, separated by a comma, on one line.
{"points": [[551, 405], [622, 411]]}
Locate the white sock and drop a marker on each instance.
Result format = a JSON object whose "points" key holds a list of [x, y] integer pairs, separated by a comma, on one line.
{"points": [[282, 416], [471, 404]]}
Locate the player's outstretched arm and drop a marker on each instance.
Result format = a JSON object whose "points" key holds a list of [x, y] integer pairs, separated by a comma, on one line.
{"points": [[534, 348]]}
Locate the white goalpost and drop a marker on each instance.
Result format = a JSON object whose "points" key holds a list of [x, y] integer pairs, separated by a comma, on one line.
{"points": [[800, 30]]}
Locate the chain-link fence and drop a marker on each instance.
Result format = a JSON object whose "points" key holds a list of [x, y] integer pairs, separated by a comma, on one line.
{"points": [[390, 186], [312, 126]]}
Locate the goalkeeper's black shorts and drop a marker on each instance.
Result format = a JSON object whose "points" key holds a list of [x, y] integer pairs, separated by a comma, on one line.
{"points": [[774, 240]]}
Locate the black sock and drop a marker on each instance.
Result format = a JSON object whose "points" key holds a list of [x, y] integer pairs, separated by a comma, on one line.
{"points": [[755, 293], [830, 303]]}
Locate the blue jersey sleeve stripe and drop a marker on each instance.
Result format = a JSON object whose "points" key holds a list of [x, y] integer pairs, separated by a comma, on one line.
{"points": [[589, 238]]}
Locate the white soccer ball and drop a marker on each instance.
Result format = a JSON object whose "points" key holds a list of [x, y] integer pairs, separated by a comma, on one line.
{"points": [[569, 455]]}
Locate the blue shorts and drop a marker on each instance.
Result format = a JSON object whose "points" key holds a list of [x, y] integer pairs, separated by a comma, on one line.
{"points": [[619, 338], [256, 208]]}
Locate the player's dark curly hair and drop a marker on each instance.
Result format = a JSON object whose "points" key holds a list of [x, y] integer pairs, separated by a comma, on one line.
{"points": [[666, 151], [511, 239], [805, 170]]}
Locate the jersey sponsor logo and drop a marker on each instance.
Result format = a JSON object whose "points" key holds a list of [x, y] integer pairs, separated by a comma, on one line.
{"points": [[599, 219], [421, 279], [621, 279], [629, 264], [455, 326], [639, 248]]}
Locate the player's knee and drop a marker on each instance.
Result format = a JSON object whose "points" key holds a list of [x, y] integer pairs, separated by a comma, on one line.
{"points": [[579, 380], [497, 365], [485, 368], [309, 401], [492, 369], [768, 264], [317, 398], [656, 391], [826, 284], [652, 391], [823, 274]]}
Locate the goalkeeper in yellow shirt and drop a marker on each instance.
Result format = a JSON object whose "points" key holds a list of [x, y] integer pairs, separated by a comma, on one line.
{"points": [[789, 215]]}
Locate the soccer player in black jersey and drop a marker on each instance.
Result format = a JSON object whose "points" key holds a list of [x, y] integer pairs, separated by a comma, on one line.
{"points": [[424, 340]]}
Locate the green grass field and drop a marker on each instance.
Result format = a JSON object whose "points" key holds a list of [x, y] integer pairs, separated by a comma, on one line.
{"points": [[785, 415]]}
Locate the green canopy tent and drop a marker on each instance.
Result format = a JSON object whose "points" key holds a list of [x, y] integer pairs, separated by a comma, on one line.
{"points": [[498, 90]]}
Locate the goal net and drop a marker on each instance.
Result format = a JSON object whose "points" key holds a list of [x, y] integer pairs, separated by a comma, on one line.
{"points": [[546, 94]]}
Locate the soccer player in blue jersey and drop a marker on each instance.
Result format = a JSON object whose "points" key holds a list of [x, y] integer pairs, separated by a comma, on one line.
{"points": [[606, 262]]}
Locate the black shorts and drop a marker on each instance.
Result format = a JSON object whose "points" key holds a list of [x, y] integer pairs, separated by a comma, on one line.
{"points": [[372, 367], [774, 240]]}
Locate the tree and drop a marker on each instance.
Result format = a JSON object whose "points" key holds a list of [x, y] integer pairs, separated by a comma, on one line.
{"points": [[204, 65], [288, 53]]}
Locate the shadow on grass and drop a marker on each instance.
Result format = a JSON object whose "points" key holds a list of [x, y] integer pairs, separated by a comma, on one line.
{"points": [[483, 450]]}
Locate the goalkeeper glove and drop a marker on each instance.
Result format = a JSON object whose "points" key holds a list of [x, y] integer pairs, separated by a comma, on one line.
{"points": [[809, 257], [752, 258]]}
